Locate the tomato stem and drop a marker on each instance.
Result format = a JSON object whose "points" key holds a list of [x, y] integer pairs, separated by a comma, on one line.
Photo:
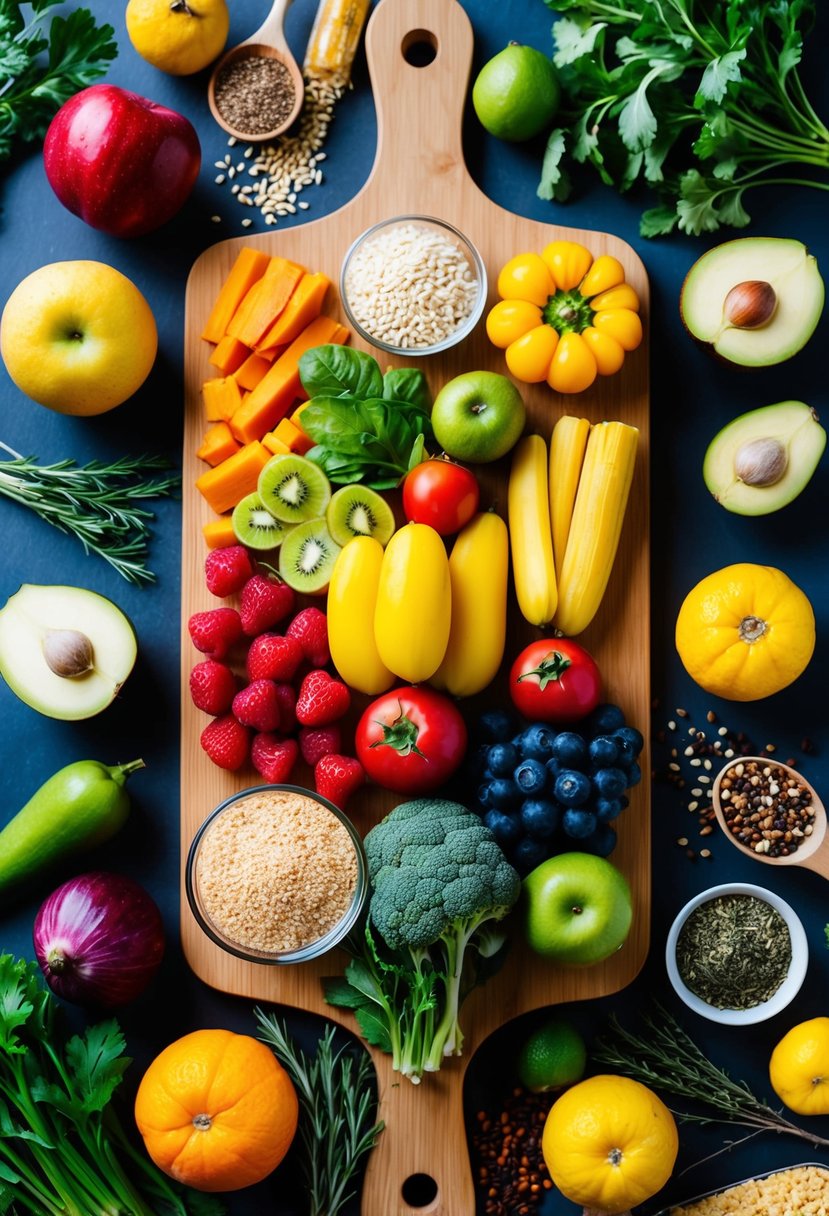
{"points": [[401, 735], [551, 667]]}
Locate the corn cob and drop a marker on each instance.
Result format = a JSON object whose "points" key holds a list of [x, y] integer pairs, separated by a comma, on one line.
{"points": [[567, 446], [597, 523], [529, 529]]}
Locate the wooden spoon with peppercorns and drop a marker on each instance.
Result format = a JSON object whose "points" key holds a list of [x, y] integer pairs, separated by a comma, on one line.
{"points": [[271, 95], [759, 828]]}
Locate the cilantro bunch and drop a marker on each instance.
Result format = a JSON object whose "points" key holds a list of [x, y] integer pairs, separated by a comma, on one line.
{"points": [[700, 98], [63, 1151], [40, 69]]}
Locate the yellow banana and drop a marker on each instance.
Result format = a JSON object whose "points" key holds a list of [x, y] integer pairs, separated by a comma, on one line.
{"points": [[414, 603], [567, 445], [478, 566], [597, 523], [529, 530], [352, 598]]}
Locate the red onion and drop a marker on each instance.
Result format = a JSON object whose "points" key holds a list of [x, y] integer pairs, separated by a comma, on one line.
{"points": [[99, 940]]}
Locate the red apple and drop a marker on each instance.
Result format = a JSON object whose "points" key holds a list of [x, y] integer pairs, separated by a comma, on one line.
{"points": [[120, 162]]}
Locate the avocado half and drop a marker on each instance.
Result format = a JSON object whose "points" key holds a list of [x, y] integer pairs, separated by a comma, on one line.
{"points": [[755, 301], [762, 460]]}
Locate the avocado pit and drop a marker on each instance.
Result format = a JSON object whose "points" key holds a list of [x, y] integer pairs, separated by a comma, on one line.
{"points": [[68, 653], [750, 304], [761, 462]]}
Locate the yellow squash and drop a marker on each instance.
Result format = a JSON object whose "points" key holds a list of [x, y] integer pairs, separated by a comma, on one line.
{"points": [[531, 538], [414, 604], [478, 567], [598, 514], [609, 1143], [567, 447], [352, 599], [799, 1068], [745, 632]]}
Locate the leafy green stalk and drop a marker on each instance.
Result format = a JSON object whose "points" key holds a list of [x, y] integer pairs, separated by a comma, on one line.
{"points": [[701, 99], [336, 1096], [97, 503]]}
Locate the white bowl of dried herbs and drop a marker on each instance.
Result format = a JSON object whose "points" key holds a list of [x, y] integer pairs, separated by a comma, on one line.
{"points": [[737, 954]]}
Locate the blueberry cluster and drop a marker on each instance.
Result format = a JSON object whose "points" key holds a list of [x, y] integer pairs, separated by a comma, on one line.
{"points": [[545, 791]]}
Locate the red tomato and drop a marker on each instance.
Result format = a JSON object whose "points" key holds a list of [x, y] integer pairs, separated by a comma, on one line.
{"points": [[555, 680], [411, 740], [442, 494]]}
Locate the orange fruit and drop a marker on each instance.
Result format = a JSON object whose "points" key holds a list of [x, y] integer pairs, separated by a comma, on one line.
{"points": [[216, 1110]]}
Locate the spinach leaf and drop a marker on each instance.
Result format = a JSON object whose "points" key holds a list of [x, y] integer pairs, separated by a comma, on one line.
{"points": [[407, 384], [373, 440], [336, 371]]}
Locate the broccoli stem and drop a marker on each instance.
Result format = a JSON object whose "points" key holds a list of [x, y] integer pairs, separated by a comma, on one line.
{"points": [[448, 1037]]}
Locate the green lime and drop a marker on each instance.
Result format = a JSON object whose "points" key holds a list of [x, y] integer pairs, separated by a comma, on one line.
{"points": [[553, 1057], [517, 93]]}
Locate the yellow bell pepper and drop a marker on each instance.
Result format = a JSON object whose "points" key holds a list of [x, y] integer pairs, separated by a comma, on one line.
{"points": [[564, 317]]}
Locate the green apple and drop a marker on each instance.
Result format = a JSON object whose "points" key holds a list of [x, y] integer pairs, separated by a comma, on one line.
{"points": [[578, 909], [478, 417], [517, 93], [64, 650]]}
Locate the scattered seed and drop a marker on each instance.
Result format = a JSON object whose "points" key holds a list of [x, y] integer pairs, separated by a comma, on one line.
{"points": [[247, 223], [710, 716], [216, 219], [706, 853]]}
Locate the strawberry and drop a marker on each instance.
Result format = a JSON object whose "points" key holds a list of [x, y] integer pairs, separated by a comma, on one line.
{"points": [[226, 742], [258, 706], [212, 687], [265, 601], [337, 777], [310, 628], [314, 744], [274, 757], [272, 657], [227, 570], [322, 699], [286, 698], [214, 632]]}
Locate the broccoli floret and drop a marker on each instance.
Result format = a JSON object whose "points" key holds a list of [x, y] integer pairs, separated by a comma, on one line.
{"points": [[439, 880]]}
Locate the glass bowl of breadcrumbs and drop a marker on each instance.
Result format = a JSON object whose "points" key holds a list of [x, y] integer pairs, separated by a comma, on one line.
{"points": [[276, 874]]}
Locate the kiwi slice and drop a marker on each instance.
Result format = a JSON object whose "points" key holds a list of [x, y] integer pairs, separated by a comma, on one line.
{"points": [[358, 511], [255, 527], [294, 489], [307, 557]]}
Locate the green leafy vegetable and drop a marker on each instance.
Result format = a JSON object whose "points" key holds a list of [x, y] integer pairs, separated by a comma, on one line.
{"points": [[362, 430], [700, 98], [336, 1096], [98, 503], [40, 70], [63, 1151]]}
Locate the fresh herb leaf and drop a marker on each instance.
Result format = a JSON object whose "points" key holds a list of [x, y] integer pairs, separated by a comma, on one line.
{"points": [[374, 1027], [718, 73], [574, 39], [555, 182], [658, 221], [407, 384], [337, 371]]}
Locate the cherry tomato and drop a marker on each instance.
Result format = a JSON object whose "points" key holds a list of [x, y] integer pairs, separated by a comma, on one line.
{"points": [[442, 494], [411, 740], [555, 680]]}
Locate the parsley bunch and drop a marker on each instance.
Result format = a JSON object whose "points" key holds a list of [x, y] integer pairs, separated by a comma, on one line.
{"points": [[63, 1151], [700, 98], [39, 70]]}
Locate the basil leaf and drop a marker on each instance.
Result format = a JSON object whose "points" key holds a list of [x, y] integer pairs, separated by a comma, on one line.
{"points": [[407, 384], [336, 371]]}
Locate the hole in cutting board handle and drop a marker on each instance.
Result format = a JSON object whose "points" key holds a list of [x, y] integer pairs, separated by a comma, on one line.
{"points": [[420, 1191], [419, 48]]}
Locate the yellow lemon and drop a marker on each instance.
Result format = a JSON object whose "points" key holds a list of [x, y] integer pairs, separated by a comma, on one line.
{"points": [[799, 1068], [178, 36]]}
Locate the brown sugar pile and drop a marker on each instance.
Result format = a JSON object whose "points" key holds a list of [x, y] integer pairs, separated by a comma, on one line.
{"points": [[276, 871]]}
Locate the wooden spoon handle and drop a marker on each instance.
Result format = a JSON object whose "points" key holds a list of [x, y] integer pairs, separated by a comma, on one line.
{"points": [[271, 32], [419, 109], [424, 1139], [819, 860]]}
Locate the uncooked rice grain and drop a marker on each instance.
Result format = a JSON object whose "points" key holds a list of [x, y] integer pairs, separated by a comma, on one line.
{"points": [[276, 871], [801, 1191]]}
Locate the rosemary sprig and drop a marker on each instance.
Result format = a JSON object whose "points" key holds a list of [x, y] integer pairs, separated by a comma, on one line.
{"points": [[95, 502], [665, 1057], [336, 1098]]}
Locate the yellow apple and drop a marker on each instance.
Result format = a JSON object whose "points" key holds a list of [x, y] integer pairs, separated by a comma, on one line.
{"points": [[78, 337]]}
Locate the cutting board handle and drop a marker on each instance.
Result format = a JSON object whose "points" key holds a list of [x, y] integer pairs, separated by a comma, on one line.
{"points": [[419, 108]]}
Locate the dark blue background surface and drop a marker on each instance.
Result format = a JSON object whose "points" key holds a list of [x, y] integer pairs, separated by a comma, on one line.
{"points": [[692, 398]]}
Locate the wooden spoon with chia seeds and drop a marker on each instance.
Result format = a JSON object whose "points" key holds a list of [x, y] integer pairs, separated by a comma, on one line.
{"points": [[233, 89], [812, 852]]}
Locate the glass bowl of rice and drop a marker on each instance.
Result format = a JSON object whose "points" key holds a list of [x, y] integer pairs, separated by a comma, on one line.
{"points": [[413, 285], [276, 874]]}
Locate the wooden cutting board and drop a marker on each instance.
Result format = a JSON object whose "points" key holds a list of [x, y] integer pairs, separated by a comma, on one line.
{"points": [[419, 168]]}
